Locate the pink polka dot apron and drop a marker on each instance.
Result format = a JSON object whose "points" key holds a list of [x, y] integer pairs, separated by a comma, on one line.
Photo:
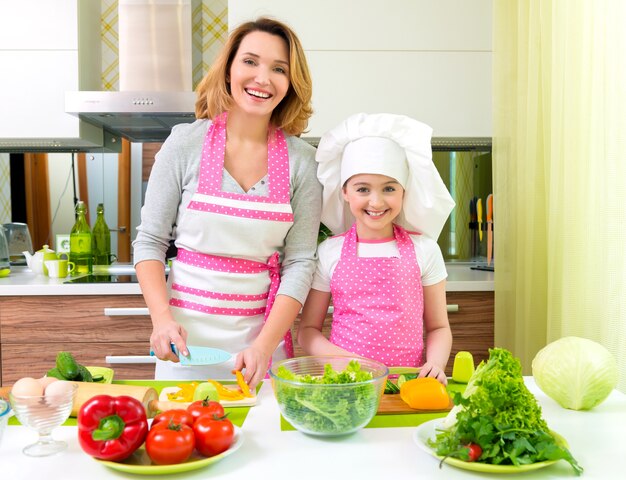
{"points": [[379, 303], [225, 277]]}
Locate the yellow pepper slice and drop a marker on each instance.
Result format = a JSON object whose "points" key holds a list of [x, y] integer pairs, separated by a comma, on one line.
{"points": [[242, 384], [226, 393], [185, 394]]}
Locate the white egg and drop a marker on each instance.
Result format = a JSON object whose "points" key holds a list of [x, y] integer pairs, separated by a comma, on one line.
{"points": [[45, 381], [58, 388], [27, 387]]}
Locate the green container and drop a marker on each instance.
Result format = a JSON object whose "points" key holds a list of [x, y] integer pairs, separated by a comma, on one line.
{"points": [[81, 252]]}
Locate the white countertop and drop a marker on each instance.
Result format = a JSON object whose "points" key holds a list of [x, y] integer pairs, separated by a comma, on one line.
{"points": [[22, 281], [596, 440]]}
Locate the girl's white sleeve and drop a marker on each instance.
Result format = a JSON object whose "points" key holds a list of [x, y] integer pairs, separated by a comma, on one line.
{"points": [[328, 253], [430, 260]]}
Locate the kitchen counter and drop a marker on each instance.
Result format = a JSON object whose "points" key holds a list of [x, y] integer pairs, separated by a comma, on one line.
{"points": [[595, 439], [21, 281]]}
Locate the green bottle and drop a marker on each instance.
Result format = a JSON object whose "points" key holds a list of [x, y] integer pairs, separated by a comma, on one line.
{"points": [[80, 242], [101, 239]]}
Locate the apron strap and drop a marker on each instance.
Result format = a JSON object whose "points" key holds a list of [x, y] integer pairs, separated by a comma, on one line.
{"points": [[273, 266]]}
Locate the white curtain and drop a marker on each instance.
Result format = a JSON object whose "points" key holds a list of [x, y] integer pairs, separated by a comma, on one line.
{"points": [[560, 174]]}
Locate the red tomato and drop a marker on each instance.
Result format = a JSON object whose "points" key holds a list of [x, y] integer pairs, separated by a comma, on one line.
{"points": [[177, 415], [200, 408], [213, 435], [170, 443], [474, 451]]}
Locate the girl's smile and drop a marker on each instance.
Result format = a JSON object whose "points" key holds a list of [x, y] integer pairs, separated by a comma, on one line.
{"points": [[375, 201]]}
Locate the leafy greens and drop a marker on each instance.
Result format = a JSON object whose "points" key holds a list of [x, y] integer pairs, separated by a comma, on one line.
{"points": [[339, 402], [500, 414]]}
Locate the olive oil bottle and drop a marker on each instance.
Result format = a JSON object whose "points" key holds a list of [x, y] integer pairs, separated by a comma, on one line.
{"points": [[101, 239], [81, 252]]}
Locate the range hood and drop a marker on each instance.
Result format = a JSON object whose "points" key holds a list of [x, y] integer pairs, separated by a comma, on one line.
{"points": [[139, 116], [155, 70]]}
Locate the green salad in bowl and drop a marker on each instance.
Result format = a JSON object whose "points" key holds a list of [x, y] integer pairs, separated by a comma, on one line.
{"points": [[328, 395]]}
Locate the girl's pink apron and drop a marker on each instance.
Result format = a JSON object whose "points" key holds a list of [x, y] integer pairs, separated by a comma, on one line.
{"points": [[227, 271], [379, 303]]}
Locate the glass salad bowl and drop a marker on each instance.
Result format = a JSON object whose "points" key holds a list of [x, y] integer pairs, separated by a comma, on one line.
{"points": [[328, 395], [43, 413]]}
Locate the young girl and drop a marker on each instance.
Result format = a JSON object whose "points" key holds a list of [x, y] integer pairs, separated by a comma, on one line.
{"points": [[386, 273]]}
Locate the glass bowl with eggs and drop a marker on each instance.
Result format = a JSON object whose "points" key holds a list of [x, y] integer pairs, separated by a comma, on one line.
{"points": [[42, 405]]}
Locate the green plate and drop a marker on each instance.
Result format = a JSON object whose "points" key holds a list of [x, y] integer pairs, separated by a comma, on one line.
{"points": [[107, 373], [139, 463], [426, 431]]}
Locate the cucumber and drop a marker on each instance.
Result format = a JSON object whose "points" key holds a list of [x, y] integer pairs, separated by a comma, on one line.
{"points": [[84, 375], [391, 387], [404, 377], [67, 365], [54, 372], [98, 378]]}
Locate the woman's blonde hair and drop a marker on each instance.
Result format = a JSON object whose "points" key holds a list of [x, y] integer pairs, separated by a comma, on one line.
{"points": [[293, 112]]}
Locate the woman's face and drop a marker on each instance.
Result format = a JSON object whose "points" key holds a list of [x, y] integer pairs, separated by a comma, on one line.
{"points": [[259, 74]]}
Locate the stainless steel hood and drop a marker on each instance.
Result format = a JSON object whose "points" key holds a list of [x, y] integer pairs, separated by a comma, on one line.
{"points": [[155, 74], [138, 116]]}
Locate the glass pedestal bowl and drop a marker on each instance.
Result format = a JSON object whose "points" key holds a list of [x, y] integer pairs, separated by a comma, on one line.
{"points": [[43, 414]]}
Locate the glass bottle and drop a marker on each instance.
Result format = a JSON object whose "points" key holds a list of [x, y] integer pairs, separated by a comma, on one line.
{"points": [[81, 242], [101, 239]]}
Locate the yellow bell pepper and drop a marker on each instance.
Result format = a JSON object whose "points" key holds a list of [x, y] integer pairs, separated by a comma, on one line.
{"points": [[425, 394], [226, 393]]}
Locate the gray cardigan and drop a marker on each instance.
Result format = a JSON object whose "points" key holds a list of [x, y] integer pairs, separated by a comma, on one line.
{"points": [[174, 179]]}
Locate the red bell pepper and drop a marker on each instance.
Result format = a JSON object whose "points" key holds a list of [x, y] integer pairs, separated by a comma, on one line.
{"points": [[111, 428]]}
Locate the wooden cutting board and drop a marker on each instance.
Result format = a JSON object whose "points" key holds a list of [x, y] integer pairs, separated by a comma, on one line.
{"points": [[392, 404]]}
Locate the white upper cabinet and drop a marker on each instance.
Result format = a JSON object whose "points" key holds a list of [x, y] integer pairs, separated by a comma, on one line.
{"points": [[427, 59], [38, 25], [42, 52]]}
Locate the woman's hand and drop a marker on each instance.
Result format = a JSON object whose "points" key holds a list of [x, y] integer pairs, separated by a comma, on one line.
{"points": [[163, 335], [256, 362], [434, 371]]}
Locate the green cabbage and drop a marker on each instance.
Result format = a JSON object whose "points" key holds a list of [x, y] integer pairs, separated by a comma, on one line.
{"points": [[575, 372]]}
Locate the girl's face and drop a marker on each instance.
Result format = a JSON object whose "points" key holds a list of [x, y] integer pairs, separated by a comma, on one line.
{"points": [[375, 201], [259, 74]]}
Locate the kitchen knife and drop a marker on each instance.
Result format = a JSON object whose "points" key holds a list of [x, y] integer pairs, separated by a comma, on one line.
{"points": [[201, 355], [489, 228], [472, 226], [479, 214]]}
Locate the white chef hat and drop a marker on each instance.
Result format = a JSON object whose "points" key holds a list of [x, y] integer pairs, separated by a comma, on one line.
{"points": [[393, 145]]}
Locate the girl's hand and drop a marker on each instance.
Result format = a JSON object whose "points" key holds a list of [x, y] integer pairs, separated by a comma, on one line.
{"points": [[434, 371], [163, 336], [255, 361]]}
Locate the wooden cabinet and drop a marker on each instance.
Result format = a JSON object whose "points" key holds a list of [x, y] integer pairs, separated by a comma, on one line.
{"points": [[33, 329], [471, 316]]}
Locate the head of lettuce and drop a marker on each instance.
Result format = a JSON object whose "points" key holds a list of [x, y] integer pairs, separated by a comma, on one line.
{"points": [[577, 373]]}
